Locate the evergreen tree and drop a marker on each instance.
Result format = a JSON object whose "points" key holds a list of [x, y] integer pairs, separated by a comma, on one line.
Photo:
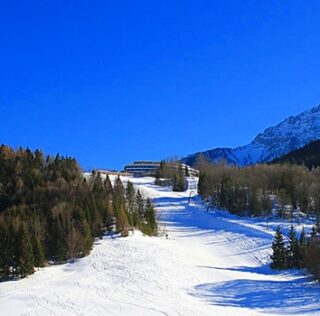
{"points": [[110, 216], [279, 256], [122, 223], [38, 253], [139, 207], [25, 252], [130, 198], [85, 234], [293, 255], [6, 251], [118, 196], [150, 227], [107, 185], [98, 186]]}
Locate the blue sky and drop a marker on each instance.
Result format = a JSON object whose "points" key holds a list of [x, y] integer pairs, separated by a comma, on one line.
{"points": [[113, 81]]}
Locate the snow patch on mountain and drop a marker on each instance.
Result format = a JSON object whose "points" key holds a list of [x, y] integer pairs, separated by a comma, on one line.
{"points": [[290, 134]]}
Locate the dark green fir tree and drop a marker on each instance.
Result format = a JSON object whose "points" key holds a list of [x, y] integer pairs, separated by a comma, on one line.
{"points": [[293, 249], [38, 253], [25, 252], [279, 255], [150, 219]]}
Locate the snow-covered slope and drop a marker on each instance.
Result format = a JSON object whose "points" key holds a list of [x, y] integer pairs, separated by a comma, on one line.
{"points": [[210, 264], [291, 134]]}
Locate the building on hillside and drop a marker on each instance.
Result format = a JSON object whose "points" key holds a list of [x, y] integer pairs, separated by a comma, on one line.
{"points": [[143, 168]]}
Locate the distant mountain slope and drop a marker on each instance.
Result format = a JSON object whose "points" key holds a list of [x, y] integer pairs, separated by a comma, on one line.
{"points": [[290, 134], [308, 155]]}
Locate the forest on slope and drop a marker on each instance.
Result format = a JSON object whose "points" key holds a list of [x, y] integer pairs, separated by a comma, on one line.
{"points": [[50, 212], [285, 191], [308, 155]]}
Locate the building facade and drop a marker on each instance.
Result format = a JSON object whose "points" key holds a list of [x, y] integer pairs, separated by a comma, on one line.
{"points": [[143, 168]]}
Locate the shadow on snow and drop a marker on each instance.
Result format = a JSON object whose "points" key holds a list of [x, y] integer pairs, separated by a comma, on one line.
{"points": [[194, 216], [298, 296]]}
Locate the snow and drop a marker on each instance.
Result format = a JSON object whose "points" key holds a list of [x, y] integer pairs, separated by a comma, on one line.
{"points": [[292, 133], [211, 264]]}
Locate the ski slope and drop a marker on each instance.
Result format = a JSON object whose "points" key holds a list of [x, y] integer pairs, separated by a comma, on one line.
{"points": [[209, 264]]}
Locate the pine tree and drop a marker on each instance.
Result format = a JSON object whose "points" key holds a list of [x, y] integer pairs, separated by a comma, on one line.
{"points": [[25, 252], [122, 222], [109, 216], [130, 198], [119, 188], [85, 235], [139, 209], [150, 227], [118, 196], [6, 243], [279, 260], [293, 249], [38, 253], [107, 185], [98, 186]]}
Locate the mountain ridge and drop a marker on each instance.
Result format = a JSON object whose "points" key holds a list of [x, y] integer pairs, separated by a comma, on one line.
{"points": [[290, 134]]}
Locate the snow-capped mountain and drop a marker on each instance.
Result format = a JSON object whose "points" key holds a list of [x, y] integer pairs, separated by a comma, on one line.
{"points": [[290, 134]]}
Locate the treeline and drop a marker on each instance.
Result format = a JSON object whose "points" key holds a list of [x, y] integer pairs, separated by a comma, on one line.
{"points": [[298, 253], [172, 173], [131, 210], [50, 212], [308, 155], [255, 190]]}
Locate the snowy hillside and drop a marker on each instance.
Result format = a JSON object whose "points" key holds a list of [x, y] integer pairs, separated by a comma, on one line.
{"points": [[210, 264], [291, 134]]}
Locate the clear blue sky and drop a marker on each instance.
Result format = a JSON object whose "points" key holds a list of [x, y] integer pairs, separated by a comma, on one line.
{"points": [[113, 81]]}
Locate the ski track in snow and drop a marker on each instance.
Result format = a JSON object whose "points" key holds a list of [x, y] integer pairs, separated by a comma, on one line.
{"points": [[210, 264]]}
